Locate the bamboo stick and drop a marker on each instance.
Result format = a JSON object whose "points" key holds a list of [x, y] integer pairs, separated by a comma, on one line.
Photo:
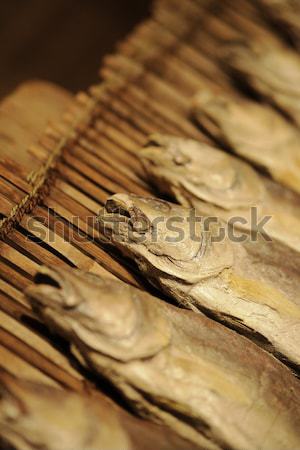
{"points": [[17, 258], [33, 340], [16, 366], [55, 236], [75, 194], [13, 276], [143, 102], [121, 68], [117, 159], [37, 360], [14, 296]]}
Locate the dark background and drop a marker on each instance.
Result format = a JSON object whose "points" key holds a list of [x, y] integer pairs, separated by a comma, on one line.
{"points": [[62, 41]]}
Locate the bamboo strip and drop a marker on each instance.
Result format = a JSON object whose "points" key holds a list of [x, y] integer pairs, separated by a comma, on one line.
{"points": [[99, 167], [121, 68], [81, 189], [116, 157], [43, 233], [91, 255], [15, 296], [144, 103], [82, 168], [117, 136], [37, 360], [142, 112], [13, 275], [127, 127], [84, 255], [119, 107], [75, 194], [56, 237], [87, 172], [15, 257], [84, 185], [146, 47], [38, 253], [16, 366], [153, 32], [33, 340], [75, 254]]}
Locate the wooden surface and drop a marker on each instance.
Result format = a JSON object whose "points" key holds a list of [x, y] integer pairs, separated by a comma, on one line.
{"points": [[25, 114]]}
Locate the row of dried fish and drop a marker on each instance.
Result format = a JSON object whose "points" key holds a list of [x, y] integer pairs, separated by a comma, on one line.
{"points": [[218, 184], [180, 368], [244, 285], [35, 416], [252, 129], [257, 294]]}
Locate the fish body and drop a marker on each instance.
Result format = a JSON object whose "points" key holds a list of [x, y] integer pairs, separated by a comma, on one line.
{"points": [[34, 417], [284, 13], [206, 272], [272, 72], [216, 183], [254, 131], [213, 387]]}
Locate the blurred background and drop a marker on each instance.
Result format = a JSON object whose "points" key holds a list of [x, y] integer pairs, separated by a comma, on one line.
{"points": [[62, 41]]}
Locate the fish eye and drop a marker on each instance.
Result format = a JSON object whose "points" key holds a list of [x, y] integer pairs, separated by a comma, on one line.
{"points": [[112, 207], [140, 224], [180, 159]]}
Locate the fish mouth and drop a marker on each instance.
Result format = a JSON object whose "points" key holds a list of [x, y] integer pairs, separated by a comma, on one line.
{"points": [[119, 205], [149, 154], [47, 288], [155, 140], [47, 277], [120, 214], [154, 146]]}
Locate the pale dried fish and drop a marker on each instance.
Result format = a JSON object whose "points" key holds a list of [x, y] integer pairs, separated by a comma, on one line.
{"points": [[182, 165], [34, 417], [254, 131], [286, 14], [211, 385], [218, 184], [203, 270], [272, 72]]}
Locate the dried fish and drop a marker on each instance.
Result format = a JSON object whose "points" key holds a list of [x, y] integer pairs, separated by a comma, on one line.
{"points": [[211, 385], [254, 131], [34, 417], [201, 170], [218, 184], [192, 259], [272, 72], [286, 14]]}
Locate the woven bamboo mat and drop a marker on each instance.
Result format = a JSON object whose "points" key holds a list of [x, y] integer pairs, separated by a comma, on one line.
{"points": [[146, 87]]}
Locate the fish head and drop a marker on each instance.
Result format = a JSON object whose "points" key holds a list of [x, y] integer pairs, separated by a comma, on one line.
{"points": [[191, 171], [170, 241], [34, 416], [99, 314]]}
